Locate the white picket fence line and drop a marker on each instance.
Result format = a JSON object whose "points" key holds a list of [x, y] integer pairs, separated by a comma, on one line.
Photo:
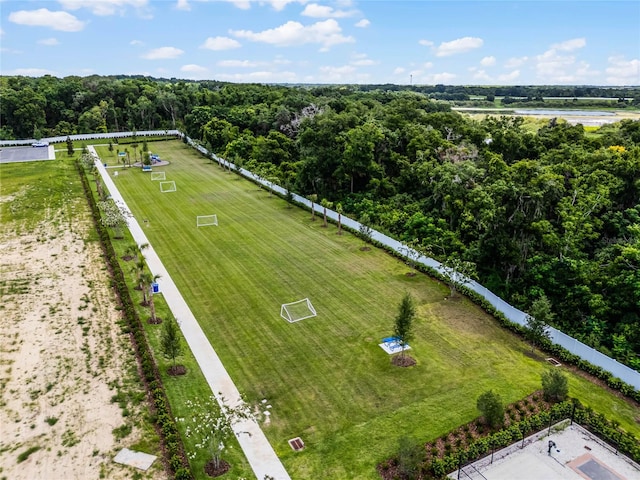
{"points": [[591, 355]]}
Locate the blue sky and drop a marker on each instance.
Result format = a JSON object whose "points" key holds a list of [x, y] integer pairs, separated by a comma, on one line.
{"points": [[342, 41]]}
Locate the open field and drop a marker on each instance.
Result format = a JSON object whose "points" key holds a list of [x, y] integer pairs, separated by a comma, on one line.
{"points": [[70, 396], [326, 377]]}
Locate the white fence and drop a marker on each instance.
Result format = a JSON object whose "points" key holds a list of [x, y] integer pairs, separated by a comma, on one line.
{"points": [[623, 372], [92, 136]]}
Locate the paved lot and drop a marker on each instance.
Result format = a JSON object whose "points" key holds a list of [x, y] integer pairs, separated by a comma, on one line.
{"points": [[26, 154], [575, 455]]}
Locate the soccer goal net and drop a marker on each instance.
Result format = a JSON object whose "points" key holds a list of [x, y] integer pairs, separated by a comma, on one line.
{"points": [[206, 220], [296, 311], [158, 176], [168, 186]]}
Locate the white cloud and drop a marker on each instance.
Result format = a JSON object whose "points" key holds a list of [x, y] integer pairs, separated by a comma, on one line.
{"points": [[237, 64], [398, 70], [62, 21], [1, 32], [569, 45], [279, 5], [163, 53], [49, 42], [426, 43], [193, 68], [242, 4], [364, 62], [258, 76], [322, 11], [326, 33], [136, 42], [183, 5], [481, 75], [364, 23], [514, 62], [220, 43], [30, 72], [427, 65], [555, 66], [509, 77], [623, 72], [488, 61], [460, 45], [443, 77], [103, 7]]}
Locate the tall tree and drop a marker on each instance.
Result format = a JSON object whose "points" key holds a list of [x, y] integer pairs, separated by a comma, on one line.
{"points": [[171, 345], [403, 326], [490, 405], [538, 319]]}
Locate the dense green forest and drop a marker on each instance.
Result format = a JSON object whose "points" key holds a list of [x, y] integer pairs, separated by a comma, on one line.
{"points": [[552, 211]]}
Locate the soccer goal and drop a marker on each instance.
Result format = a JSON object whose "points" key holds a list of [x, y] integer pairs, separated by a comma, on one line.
{"points": [[206, 220], [296, 311], [158, 176], [169, 186]]}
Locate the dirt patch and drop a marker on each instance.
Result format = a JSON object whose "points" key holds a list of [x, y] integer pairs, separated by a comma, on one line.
{"points": [[403, 361], [64, 362]]}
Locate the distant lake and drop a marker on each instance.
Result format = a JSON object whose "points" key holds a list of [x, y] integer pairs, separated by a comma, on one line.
{"points": [[561, 113]]}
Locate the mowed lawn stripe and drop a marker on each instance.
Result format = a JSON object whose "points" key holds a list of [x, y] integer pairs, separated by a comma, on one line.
{"points": [[326, 378]]}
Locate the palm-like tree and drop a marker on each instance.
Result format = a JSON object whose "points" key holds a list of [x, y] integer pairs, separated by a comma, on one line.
{"points": [[325, 204], [313, 198], [339, 210]]}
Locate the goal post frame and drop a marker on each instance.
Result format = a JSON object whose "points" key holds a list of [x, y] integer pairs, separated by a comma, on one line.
{"points": [[285, 312], [213, 217], [158, 176], [168, 183]]}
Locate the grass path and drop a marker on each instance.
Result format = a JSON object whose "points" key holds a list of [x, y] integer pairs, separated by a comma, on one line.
{"points": [[326, 377]]}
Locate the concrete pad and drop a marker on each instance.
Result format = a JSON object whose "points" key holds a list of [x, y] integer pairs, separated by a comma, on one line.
{"points": [[575, 454], [393, 347], [135, 459]]}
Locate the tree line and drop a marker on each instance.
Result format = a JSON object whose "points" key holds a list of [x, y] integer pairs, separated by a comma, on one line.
{"points": [[548, 212]]}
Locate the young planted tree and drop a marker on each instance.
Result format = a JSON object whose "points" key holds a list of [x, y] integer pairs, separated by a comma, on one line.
{"points": [[410, 457], [69, 146], [313, 198], [458, 273], [365, 231], [555, 385], [325, 204], [490, 405], [152, 305], [403, 329], [537, 319], [212, 426], [113, 216], [171, 344], [339, 210], [411, 250]]}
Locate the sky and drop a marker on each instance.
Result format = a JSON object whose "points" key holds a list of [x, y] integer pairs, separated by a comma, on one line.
{"points": [[416, 42]]}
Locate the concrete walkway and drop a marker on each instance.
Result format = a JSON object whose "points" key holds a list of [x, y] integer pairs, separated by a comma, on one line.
{"points": [[254, 443]]}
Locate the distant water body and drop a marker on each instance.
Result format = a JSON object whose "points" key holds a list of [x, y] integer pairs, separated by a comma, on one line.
{"points": [[563, 113]]}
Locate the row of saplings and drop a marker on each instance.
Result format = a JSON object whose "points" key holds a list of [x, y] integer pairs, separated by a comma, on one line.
{"points": [[210, 425], [496, 428]]}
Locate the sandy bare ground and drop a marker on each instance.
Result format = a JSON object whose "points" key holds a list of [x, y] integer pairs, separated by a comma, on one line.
{"points": [[63, 359]]}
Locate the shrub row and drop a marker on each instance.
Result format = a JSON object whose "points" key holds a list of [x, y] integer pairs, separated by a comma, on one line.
{"points": [[173, 448], [625, 442]]}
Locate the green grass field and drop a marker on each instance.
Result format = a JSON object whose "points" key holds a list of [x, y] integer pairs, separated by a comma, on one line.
{"points": [[326, 377]]}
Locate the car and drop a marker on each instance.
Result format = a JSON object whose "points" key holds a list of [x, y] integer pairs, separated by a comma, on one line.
{"points": [[40, 144]]}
